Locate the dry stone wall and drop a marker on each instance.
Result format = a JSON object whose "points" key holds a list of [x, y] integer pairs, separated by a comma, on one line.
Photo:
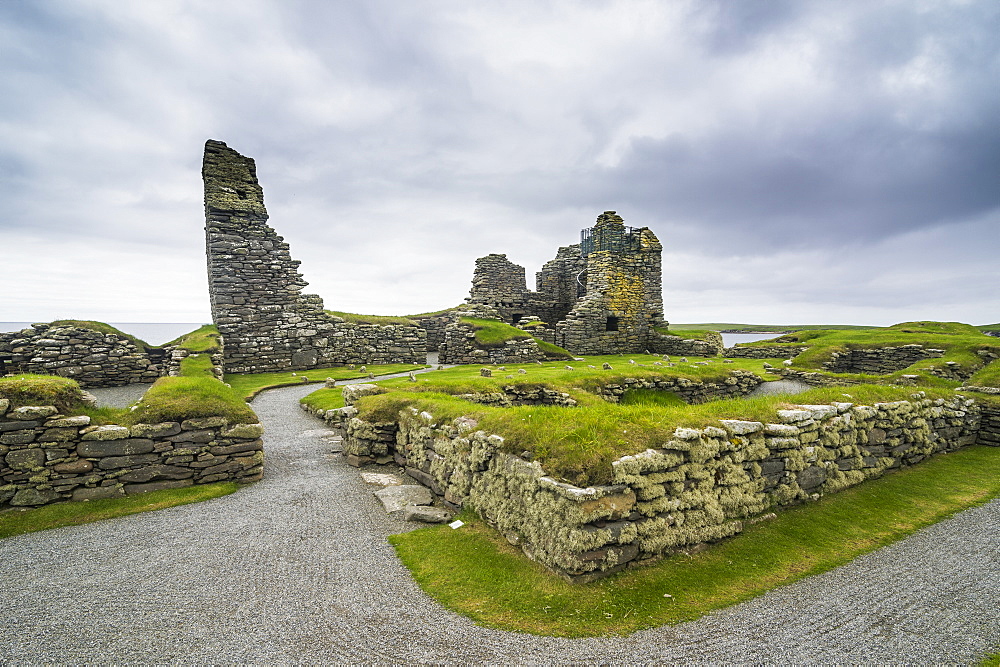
{"points": [[879, 361], [688, 347], [460, 347], [739, 383], [266, 323], [700, 486], [92, 358], [769, 352], [46, 457]]}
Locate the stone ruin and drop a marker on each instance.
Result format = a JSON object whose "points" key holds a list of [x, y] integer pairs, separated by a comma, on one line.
{"points": [[266, 323], [600, 296]]}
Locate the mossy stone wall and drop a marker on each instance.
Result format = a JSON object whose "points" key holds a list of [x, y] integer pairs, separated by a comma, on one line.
{"points": [[700, 486]]}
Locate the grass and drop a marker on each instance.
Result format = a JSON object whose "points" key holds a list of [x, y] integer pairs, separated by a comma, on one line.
{"points": [[103, 328], [552, 351], [762, 328], [494, 333], [28, 389], [250, 385], [695, 334], [203, 339], [197, 365], [179, 398], [382, 320], [476, 573], [987, 376], [18, 522], [328, 398], [960, 343], [992, 660]]}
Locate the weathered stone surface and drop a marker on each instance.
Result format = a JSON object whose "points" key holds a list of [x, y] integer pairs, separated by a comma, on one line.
{"points": [[202, 423], [18, 425], [124, 447], [65, 422], [251, 446], [77, 467], [243, 431], [58, 435], [109, 432], [33, 496], [25, 459], [131, 489], [352, 392], [115, 462], [98, 492], [160, 430], [32, 412], [194, 436], [396, 498], [811, 477], [157, 471], [426, 514]]}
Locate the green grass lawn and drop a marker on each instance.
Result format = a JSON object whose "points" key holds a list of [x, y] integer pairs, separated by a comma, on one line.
{"points": [[250, 385], [16, 522], [476, 573], [203, 339]]}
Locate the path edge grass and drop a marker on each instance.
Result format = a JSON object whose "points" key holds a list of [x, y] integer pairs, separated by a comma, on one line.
{"points": [[59, 515], [485, 588]]}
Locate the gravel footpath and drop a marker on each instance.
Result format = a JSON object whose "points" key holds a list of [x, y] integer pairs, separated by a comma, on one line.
{"points": [[296, 569], [119, 397]]}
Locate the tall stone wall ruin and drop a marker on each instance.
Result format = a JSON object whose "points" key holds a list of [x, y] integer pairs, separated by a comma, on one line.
{"points": [[255, 287]]}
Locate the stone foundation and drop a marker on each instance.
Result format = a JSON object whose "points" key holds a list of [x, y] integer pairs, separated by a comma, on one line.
{"points": [[700, 486], [878, 361]]}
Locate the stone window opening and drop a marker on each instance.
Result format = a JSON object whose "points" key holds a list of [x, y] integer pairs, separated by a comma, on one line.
{"points": [[611, 324], [515, 318]]}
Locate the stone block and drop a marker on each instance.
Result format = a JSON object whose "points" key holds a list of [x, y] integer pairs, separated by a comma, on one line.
{"points": [[58, 435], [32, 412], [109, 432], [66, 422], [199, 437], [115, 462], [25, 459], [247, 431], [426, 514], [18, 426], [131, 489], [98, 493], [160, 430], [396, 498], [811, 477], [125, 447], [77, 467], [156, 471], [253, 445], [17, 438], [203, 423], [33, 496]]}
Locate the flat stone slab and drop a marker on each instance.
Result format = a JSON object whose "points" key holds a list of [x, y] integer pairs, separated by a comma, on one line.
{"points": [[426, 514], [382, 478], [396, 498], [318, 433]]}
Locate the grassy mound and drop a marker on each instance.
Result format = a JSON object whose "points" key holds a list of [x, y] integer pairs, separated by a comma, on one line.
{"points": [[26, 389], [382, 320], [203, 339], [494, 333], [180, 398]]}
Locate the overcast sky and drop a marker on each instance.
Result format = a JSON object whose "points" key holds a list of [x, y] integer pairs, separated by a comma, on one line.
{"points": [[801, 162]]}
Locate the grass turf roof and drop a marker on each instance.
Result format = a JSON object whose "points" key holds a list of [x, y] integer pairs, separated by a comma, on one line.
{"points": [[383, 320], [493, 333], [28, 389], [205, 338]]}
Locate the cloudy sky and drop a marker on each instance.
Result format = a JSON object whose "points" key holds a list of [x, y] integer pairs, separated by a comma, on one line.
{"points": [[802, 162]]}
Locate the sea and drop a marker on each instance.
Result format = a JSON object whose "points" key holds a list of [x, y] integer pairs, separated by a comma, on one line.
{"points": [[154, 333]]}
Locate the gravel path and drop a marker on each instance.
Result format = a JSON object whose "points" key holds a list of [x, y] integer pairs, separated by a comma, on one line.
{"points": [[296, 569]]}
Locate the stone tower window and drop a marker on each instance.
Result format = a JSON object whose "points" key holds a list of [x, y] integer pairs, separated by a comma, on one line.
{"points": [[611, 324]]}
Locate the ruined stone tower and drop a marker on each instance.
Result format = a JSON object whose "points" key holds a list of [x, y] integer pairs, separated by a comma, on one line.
{"points": [[266, 323], [600, 296], [623, 299]]}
